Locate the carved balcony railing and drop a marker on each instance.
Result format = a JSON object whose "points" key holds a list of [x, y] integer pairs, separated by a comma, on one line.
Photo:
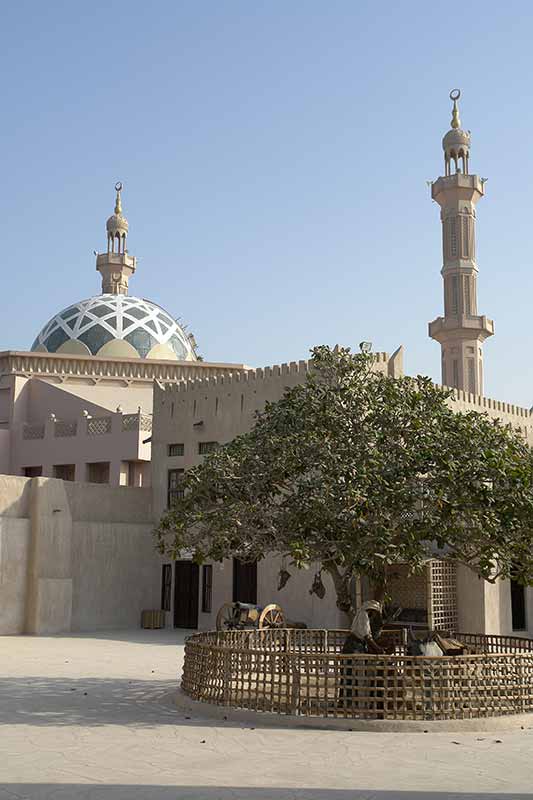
{"points": [[33, 431], [65, 427], [98, 426], [137, 422], [93, 426]]}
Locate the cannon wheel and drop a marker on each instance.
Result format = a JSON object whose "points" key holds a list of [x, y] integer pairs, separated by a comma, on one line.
{"points": [[226, 617], [271, 617]]}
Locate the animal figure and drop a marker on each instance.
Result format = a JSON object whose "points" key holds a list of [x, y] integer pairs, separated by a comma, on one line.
{"points": [[428, 646]]}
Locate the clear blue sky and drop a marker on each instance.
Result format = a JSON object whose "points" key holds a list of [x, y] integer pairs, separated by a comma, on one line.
{"points": [[275, 157]]}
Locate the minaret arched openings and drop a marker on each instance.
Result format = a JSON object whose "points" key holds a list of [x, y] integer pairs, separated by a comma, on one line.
{"points": [[117, 226], [456, 143]]}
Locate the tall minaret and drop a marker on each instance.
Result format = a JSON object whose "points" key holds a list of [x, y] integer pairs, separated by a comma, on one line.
{"points": [[116, 266], [460, 331]]}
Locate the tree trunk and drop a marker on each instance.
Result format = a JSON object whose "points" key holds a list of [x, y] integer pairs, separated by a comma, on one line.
{"points": [[379, 585], [341, 583]]}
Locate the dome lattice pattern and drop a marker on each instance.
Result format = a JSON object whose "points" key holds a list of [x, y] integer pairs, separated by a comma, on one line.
{"points": [[98, 321]]}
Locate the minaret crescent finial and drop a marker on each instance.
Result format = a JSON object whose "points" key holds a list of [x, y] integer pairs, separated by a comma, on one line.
{"points": [[455, 94], [118, 203]]}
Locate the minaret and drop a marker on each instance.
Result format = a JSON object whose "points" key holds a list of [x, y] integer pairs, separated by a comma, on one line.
{"points": [[461, 332], [116, 266]]}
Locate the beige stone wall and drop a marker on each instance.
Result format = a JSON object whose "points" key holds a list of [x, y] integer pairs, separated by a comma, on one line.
{"points": [[115, 574], [14, 549], [92, 502], [74, 556], [14, 496], [5, 451]]}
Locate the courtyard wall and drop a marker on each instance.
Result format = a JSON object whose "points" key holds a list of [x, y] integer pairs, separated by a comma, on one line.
{"points": [[74, 557]]}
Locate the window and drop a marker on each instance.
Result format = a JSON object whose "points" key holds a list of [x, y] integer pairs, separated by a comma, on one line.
{"points": [[32, 472], [471, 376], [166, 584], [455, 294], [175, 491], [455, 374], [466, 237], [65, 471], [175, 449], [206, 447], [207, 588], [98, 472], [453, 237], [467, 295]]}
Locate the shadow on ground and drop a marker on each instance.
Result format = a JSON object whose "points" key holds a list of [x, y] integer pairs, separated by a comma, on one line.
{"points": [[163, 637], [80, 791], [88, 701]]}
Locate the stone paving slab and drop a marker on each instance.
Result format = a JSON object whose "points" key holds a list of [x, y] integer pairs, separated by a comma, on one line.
{"points": [[92, 716]]}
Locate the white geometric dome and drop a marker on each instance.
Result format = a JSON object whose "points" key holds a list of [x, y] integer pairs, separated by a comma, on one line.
{"points": [[115, 325]]}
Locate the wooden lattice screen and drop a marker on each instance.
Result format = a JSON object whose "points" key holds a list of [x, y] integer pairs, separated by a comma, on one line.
{"points": [[430, 595], [442, 595]]}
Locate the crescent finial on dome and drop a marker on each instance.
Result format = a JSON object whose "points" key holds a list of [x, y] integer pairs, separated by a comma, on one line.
{"points": [[118, 202], [455, 94]]}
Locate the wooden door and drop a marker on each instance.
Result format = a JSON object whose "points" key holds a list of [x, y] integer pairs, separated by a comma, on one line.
{"points": [[244, 582], [186, 585]]}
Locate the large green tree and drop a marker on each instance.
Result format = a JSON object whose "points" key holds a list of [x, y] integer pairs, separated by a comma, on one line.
{"points": [[356, 471]]}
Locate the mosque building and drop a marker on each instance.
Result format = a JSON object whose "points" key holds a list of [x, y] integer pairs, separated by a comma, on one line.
{"points": [[79, 405], [115, 403]]}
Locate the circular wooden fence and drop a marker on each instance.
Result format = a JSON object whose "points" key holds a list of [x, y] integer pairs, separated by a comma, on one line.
{"points": [[304, 672]]}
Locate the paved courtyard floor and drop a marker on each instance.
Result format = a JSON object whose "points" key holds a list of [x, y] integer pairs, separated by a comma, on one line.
{"points": [[92, 717]]}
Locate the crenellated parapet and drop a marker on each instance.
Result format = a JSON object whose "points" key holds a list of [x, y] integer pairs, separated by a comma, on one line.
{"points": [[481, 403], [518, 417], [295, 370], [65, 367]]}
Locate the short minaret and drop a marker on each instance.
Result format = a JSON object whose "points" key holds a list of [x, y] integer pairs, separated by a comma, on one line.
{"points": [[461, 332], [116, 266]]}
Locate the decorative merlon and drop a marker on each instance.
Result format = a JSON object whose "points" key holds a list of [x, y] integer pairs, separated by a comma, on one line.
{"points": [[391, 365], [92, 367]]}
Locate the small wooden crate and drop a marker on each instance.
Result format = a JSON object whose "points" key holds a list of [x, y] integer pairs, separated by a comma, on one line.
{"points": [[152, 618]]}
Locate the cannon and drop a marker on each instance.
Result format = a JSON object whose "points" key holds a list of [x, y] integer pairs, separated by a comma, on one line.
{"points": [[238, 616]]}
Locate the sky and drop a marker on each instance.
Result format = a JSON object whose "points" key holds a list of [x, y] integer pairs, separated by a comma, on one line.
{"points": [[274, 157]]}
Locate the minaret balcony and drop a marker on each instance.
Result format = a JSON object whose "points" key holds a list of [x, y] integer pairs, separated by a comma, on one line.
{"points": [[461, 327], [115, 259], [447, 190]]}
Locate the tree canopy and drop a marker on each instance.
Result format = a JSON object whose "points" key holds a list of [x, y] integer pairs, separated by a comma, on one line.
{"points": [[356, 470]]}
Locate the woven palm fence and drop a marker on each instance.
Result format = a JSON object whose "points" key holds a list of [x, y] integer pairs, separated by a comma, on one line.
{"points": [[303, 672]]}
